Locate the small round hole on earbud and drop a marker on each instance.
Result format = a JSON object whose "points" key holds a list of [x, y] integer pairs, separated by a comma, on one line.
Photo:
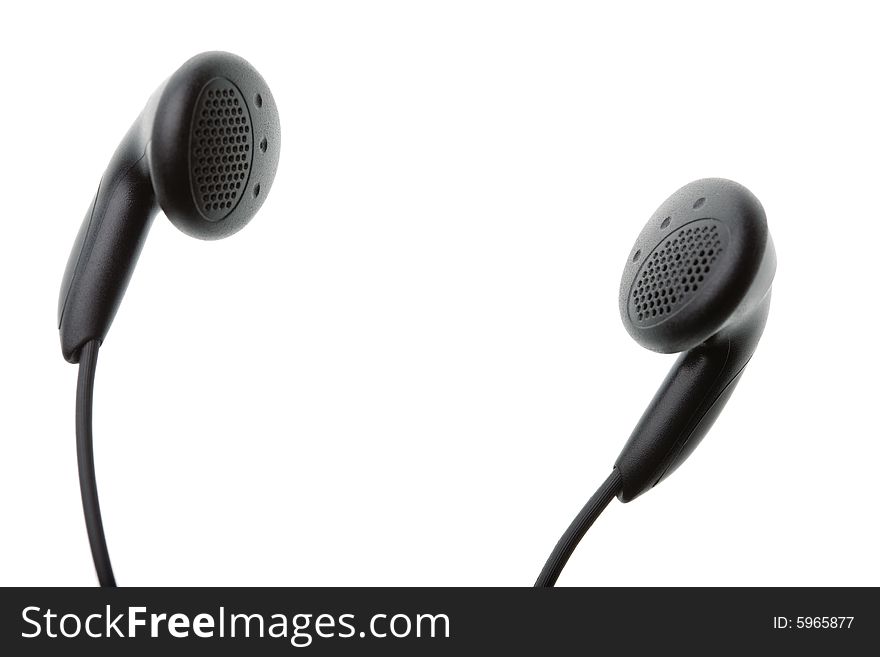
{"points": [[264, 145], [699, 202], [666, 222], [256, 190], [258, 100]]}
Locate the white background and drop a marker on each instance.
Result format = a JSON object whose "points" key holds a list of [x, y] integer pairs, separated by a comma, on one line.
{"points": [[410, 369]]}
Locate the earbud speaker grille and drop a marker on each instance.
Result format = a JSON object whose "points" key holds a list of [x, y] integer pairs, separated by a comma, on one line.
{"points": [[221, 149], [675, 271]]}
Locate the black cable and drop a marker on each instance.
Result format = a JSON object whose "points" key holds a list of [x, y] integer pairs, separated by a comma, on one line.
{"points": [[576, 530], [88, 360]]}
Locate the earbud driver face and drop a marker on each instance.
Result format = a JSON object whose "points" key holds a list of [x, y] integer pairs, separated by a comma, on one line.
{"points": [[694, 264], [215, 145]]}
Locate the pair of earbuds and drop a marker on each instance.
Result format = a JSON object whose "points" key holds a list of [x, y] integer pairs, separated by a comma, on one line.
{"points": [[205, 150]]}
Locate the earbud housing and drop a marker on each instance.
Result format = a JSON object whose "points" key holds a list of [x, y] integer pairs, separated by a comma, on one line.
{"points": [[204, 150], [703, 259], [696, 281]]}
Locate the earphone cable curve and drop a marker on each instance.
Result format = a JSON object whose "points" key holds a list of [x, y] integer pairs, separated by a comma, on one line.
{"points": [[579, 526], [85, 457]]}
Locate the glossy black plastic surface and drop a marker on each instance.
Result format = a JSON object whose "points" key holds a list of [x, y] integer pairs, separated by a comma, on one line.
{"points": [[204, 151], [719, 324]]}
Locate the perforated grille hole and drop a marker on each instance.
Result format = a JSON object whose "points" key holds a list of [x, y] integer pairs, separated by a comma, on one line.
{"points": [[675, 271], [221, 149]]}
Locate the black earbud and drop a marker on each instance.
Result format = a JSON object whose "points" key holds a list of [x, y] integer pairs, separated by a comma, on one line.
{"points": [[204, 151], [697, 281]]}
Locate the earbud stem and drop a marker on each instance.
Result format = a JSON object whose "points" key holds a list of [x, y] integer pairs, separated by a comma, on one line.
{"points": [[687, 404], [107, 247]]}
